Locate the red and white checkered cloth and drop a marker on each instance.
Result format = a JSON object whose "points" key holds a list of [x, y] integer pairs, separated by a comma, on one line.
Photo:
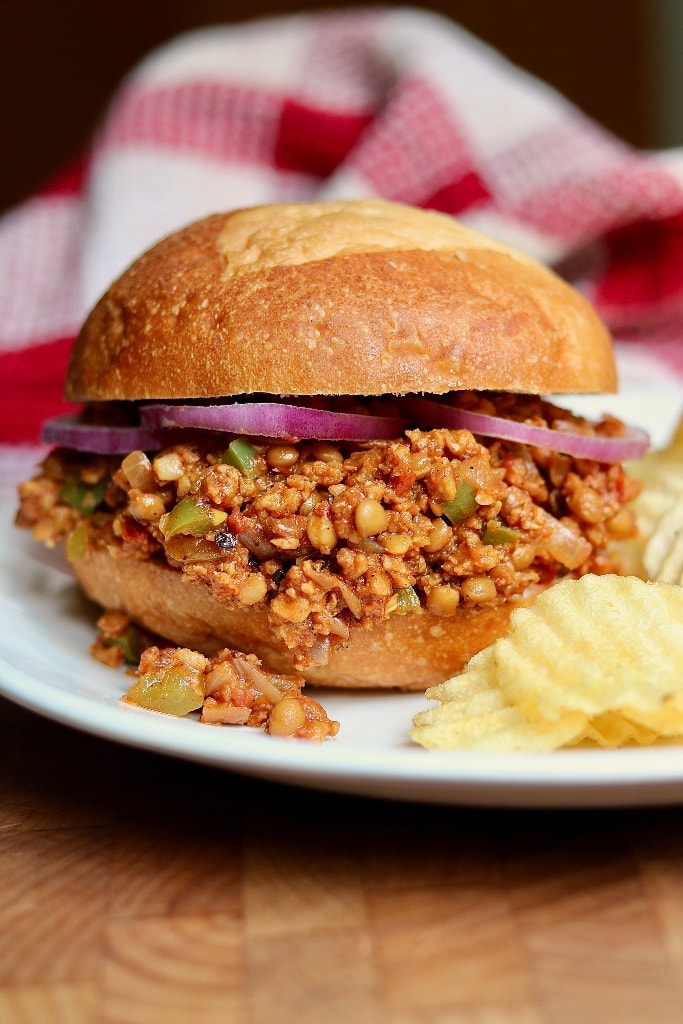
{"points": [[399, 103]]}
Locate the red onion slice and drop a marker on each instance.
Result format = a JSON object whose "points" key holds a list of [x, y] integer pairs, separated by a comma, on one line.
{"points": [[72, 432], [631, 445], [275, 419], [278, 419]]}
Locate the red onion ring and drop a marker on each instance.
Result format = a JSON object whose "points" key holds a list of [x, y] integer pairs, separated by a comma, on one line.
{"points": [[278, 419], [275, 419], [72, 432], [631, 445]]}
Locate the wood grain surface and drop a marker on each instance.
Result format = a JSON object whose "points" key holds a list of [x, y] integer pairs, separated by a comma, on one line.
{"points": [[138, 889]]}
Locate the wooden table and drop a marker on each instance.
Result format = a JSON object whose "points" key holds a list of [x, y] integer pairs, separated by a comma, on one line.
{"points": [[137, 889]]}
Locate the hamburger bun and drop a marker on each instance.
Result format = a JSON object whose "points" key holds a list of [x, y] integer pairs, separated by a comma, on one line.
{"points": [[406, 652], [347, 298]]}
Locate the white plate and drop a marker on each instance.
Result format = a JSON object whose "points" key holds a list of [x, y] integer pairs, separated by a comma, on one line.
{"points": [[45, 630]]}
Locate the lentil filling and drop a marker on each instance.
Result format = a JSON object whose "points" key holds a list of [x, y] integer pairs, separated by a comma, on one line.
{"points": [[337, 536]]}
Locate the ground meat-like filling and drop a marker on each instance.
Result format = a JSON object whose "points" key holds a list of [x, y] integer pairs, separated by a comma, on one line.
{"points": [[231, 688], [333, 536]]}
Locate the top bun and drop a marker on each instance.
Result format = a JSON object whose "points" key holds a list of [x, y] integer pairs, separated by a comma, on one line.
{"points": [[336, 298]]}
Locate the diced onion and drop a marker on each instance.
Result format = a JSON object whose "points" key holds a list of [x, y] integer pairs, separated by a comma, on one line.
{"points": [[632, 444], [564, 545], [275, 419]]}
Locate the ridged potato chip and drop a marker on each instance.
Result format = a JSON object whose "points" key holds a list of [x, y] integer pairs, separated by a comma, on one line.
{"points": [[653, 502], [661, 474], [613, 730], [474, 715], [504, 729], [596, 660], [663, 552], [602, 643]]}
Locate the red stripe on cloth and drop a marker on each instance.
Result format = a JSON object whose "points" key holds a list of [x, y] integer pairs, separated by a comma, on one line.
{"points": [[415, 148], [69, 179], [574, 183], [31, 389], [468, 191], [643, 279], [316, 141], [219, 120], [238, 123]]}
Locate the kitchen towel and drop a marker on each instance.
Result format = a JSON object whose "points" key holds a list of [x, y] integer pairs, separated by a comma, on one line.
{"points": [[393, 102]]}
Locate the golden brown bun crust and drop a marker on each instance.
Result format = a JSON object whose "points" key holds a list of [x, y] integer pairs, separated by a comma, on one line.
{"points": [[363, 297], [409, 652]]}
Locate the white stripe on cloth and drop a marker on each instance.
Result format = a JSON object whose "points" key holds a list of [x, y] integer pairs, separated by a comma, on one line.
{"points": [[40, 280]]}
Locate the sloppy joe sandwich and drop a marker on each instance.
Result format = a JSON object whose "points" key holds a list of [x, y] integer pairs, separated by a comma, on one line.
{"points": [[317, 433]]}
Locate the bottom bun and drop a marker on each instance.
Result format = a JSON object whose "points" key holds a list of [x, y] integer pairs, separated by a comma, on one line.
{"points": [[407, 652]]}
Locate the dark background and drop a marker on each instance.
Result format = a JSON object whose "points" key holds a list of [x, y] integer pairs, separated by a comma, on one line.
{"points": [[61, 61]]}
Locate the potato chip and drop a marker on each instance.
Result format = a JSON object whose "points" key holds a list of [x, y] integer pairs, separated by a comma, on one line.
{"points": [[596, 660], [464, 725], [614, 730], [651, 504], [597, 644], [485, 702], [661, 474], [479, 677], [474, 715], [663, 552]]}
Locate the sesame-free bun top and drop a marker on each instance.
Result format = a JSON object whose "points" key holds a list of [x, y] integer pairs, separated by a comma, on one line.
{"points": [[334, 298]]}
